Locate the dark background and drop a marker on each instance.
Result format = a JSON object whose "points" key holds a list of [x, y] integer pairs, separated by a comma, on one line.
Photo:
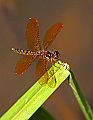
{"points": [[75, 43]]}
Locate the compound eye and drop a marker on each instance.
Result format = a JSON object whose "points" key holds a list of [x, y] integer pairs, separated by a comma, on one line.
{"points": [[56, 55]]}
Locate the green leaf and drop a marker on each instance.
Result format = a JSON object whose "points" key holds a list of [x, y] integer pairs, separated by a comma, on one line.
{"points": [[80, 98], [27, 105]]}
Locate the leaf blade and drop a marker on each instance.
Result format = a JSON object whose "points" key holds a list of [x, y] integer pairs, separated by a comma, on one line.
{"points": [[26, 106]]}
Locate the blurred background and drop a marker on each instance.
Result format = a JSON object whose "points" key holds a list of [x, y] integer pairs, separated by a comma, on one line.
{"points": [[75, 43]]}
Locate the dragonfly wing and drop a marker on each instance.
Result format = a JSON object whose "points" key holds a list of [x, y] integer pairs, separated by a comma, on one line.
{"points": [[32, 35], [23, 64], [41, 68], [52, 79], [48, 75], [51, 34]]}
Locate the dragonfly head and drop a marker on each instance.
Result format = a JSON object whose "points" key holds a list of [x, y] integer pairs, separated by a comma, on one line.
{"points": [[56, 55]]}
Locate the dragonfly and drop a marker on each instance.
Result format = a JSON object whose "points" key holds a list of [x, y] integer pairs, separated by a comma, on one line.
{"points": [[35, 50]]}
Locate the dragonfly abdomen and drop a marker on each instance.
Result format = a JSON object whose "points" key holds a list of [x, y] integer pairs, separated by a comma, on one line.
{"points": [[24, 52]]}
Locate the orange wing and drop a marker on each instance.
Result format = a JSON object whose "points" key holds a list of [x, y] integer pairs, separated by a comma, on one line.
{"points": [[32, 35], [33, 42], [48, 78], [23, 64], [41, 68], [52, 79], [51, 34]]}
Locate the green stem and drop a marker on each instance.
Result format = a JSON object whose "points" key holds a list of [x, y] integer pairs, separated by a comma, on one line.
{"points": [[80, 98]]}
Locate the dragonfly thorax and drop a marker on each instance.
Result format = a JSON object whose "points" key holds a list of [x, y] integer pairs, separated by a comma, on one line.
{"points": [[50, 56]]}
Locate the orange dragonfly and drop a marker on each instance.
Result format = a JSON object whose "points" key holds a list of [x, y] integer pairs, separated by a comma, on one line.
{"points": [[33, 43]]}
